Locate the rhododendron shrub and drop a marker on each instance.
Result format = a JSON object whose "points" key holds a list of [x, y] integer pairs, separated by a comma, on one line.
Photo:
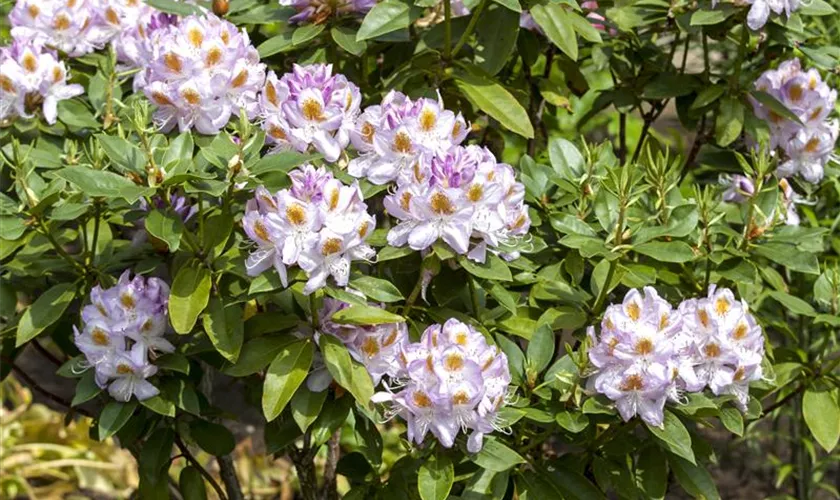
{"points": [[479, 249]]}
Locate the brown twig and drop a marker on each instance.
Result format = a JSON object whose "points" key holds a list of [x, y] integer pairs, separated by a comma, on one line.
{"points": [[52, 397], [191, 459], [330, 491], [46, 353], [228, 473]]}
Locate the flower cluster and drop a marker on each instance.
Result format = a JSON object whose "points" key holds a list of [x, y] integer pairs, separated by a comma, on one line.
{"points": [[377, 347], [401, 135], [760, 10], [122, 325], [32, 78], [807, 145], [739, 188], [459, 196], [136, 41], [202, 71], [647, 352], [73, 27], [310, 106], [450, 380], [318, 11], [318, 224]]}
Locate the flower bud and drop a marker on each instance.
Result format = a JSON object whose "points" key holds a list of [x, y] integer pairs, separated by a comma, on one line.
{"points": [[221, 7]]}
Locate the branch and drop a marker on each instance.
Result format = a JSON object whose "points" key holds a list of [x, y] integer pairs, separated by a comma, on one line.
{"points": [[191, 459], [228, 472], [329, 491], [52, 397]]}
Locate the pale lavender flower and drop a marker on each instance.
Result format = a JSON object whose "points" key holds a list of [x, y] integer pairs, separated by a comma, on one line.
{"points": [[727, 343], [760, 11], [640, 360], [377, 347], [400, 134], [739, 188], [318, 224], [122, 325], [790, 199], [463, 197], [202, 71], [452, 380], [310, 106], [319, 11], [69, 26], [809, 143], [32, 79], [127, 372]]}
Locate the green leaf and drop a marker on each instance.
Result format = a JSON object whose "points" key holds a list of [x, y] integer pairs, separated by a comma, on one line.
{"points": [[213, 438], [165, 226], [490, 97], [75, 113], [123, 153], [189, 296], [114, 416], [175, 7], [510, 4], [86, 388], [790, 257], [155, 453], [711, 17], [347, 373], [180, 148], [707, 96], [732, 419], [572, 422], [255, 355], [495, 456], [224, 325], [493, 268], [541, 348], [652, 471], [366, 316], [284, 376], [569, 164], [191, 484], [160, 405], [793, 304], [694, 479], [583, 26], [730, 121], [345, 37], [377, 289], [572, 485], [667, 85], [282, 161], [102, 184], [276, 44], [386, 17], [435, 478], [306, 406], [822, 415], [393, 253], [666, 251], [497, 38], [306, 33], [775, 105], [674, 437], [554, 21], [46, 310], [816, 8], [174, 361]]}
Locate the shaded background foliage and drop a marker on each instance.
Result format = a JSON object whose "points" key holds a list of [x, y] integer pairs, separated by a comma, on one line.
{"points": [[620, 137]]}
